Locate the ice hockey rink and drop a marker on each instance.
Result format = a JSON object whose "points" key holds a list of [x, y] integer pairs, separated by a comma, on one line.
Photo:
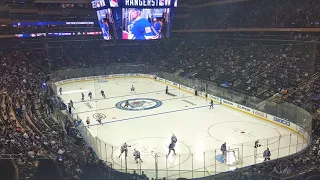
{"points": [[149, 124]]}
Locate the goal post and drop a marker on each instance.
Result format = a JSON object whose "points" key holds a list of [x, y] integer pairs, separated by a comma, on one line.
{"points": [[233, 156]]}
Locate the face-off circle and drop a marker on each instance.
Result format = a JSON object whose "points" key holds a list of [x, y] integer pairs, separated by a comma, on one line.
{"points": [[149, 147], [245, 132], [139, 104], [99, 116]]}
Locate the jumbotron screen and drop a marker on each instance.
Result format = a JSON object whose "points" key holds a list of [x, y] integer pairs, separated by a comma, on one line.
{"points": [[135, 19]]}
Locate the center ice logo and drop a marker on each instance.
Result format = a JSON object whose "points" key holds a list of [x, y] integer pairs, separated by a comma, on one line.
{"points": [[138, 104]]}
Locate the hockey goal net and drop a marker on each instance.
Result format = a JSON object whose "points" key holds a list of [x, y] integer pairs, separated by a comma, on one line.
{"points": [[232, 157]]}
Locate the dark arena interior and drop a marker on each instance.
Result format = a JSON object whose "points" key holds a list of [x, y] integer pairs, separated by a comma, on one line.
{"points": [[260, 57]]}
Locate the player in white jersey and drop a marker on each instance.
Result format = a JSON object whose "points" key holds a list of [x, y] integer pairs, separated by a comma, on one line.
{"points": [[174, 138], [124, 149], [132, 89], [136, 155]]}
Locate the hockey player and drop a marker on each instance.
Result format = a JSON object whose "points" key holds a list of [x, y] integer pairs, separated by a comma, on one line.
{"points": [[82, 96], [267, 154], [71, 104], [132, 89], [211, 104], [102, 94], [60, 90], [138, 27], [174, 139], [156, 28], [69, 108], [124, 149], [90, 95], [105, 29], [171, 148], [88, 121], [167, 90], [136, 155], [99, 121], [126, 104], [224, 150]]}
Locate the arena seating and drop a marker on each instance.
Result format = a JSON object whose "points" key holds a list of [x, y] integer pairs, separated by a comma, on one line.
{"points": [[254, 14], [29, 132]]}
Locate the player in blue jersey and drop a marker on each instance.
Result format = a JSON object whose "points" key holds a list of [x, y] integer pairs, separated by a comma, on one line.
{"points": [[82, 96], [132, 89], [136, 155], [102, 94], [126, 105], [171, 148], [138, 27], [88, 121], [211, 104], [90, 95], [105, 29], [156, 27]]}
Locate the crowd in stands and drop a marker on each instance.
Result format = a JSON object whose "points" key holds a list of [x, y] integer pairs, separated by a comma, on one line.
{"points": [[256, 14], [29, 133], [256, 68], [248, 14]]}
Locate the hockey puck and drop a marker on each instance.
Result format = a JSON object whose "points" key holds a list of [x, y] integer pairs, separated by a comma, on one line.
{"points": [[242, 132], [114, 118]]}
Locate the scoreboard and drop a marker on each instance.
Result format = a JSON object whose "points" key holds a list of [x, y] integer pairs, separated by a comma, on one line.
{"points": [[135, 19]]}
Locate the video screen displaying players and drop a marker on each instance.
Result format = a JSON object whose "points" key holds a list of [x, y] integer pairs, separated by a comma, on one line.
{"points": [[107, 24], [145, 23]]}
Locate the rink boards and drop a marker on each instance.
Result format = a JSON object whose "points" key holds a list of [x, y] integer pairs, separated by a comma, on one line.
{"points": [[261, 115]]}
